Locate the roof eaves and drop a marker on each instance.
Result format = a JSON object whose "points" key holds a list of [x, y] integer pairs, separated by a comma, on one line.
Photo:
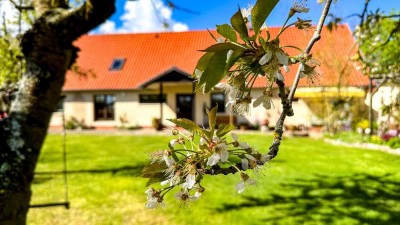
{"points": [[172, 69]]}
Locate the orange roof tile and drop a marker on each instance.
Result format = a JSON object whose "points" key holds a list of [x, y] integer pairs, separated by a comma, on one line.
{"points": [[151, 54]]}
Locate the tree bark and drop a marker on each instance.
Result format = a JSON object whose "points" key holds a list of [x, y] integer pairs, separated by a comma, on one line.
{"points": [[49, 53]]}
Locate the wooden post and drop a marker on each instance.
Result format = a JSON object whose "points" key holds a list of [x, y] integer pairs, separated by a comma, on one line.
{"points": [[160, 98], [370, 112]]}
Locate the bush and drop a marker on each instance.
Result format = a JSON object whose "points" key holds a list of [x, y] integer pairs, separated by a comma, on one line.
{"points": [[376, 140], [156, 122], [73, 123], [394, 142]]}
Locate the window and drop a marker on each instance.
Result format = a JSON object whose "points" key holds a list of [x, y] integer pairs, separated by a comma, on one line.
{"points": [[60, 105], [218, 98], [152, 98], [104, 107], [117, 64]]}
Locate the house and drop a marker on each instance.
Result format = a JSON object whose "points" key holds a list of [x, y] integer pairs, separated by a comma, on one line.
{"points": [[129, 79]]}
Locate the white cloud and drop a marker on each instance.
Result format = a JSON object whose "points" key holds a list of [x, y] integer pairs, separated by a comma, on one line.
{"points": [[143, 16], [107, 27]]}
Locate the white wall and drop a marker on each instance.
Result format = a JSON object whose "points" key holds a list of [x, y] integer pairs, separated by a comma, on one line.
{"points": [[80, 105]]}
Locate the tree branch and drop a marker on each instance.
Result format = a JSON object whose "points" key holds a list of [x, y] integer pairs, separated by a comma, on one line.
{"points": [[20, 7], [274, 148], [91, 14], [41, 7]]}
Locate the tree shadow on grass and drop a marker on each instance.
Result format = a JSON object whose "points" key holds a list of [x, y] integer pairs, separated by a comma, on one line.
{"points": [[359, 199], [41, 177]]}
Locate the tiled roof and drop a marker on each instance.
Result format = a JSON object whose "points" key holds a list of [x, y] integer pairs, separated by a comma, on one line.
{"points": [[151, 54]]}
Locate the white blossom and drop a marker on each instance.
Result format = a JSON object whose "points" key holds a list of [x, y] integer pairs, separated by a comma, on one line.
{"points": [[220, 152], [242, 106], [153, 199], [278, 75], [185, 197], [282, 57], [299, 6], [190, 180], [265, 58], [264, 99], [246, 12], [245, 181], [243, 145]]}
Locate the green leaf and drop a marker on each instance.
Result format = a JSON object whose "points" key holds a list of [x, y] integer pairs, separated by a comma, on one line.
{"points": [[263, 43], [154, 170], [223, 47], [227, 32], [212, 118], [223, 129], [208, 134], [154, 180], [260, 13], [236, 55], [214, 72], [203, 61], [239, 25], [188, 125], [212, 35]]}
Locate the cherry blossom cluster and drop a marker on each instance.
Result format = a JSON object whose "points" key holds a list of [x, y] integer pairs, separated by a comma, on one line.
{"points": [[257, 55], [192, 155]]}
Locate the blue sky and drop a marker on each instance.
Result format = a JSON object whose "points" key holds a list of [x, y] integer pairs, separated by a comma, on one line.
{"points": [[146, 15]]}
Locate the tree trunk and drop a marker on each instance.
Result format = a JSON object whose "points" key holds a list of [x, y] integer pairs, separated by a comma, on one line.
{"points": [[49, 53]]}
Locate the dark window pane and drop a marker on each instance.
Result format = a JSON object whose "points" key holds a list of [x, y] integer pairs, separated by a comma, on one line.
{"points": [[117, 64], [104, 107], [154, 98], [218, 98]]}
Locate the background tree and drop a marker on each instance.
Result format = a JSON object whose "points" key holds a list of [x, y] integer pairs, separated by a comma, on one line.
{"points": [[48, 52]]}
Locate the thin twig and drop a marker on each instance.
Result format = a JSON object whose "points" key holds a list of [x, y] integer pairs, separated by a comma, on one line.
{"points": [[274, 148], [316, 36]]}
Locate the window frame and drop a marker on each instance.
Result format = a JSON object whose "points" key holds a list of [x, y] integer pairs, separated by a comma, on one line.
{"points": [[119, 67], [221, 107], [155, 98], [109, 107]]}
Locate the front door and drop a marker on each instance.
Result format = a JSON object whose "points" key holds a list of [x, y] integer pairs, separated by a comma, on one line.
{"points": [[184, 106]]}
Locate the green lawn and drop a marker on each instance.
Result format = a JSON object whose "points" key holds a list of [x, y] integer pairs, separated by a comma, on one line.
{"points": [[310, 182]]}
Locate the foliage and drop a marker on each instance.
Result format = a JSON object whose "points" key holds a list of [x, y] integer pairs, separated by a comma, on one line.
{"points": [[73, 123], [194, 153], [335, 186], [241, 61], [11, 63], [364, 124], [394, 142], [11, 59], [353, 137], [378, 37], [156, 123]]}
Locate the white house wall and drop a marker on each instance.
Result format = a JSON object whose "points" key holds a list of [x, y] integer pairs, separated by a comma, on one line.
{"points": [[302, 113], [81, 106]]}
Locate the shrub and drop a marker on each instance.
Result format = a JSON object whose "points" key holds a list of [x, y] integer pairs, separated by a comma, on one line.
{"points": [[73, 123], [394, 142], [156, 123]]}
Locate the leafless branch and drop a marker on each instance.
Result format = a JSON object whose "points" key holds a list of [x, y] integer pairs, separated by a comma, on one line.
{"points": [[274, 148], [21, 7]]}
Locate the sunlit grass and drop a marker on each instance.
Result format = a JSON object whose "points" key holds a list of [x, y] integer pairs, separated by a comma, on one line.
{"points": [[310, 182]]}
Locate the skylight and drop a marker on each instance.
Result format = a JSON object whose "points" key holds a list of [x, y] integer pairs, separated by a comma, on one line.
{"points": [[117, 64]]}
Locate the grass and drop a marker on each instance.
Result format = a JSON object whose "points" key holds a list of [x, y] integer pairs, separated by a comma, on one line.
{"points": [[310, 182]]}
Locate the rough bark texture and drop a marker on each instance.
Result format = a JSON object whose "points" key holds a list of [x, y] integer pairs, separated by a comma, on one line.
{"points": [[49, 52]]}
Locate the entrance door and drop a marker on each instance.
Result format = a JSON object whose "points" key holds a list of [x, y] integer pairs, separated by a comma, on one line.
{"points": [[184, 106]]}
